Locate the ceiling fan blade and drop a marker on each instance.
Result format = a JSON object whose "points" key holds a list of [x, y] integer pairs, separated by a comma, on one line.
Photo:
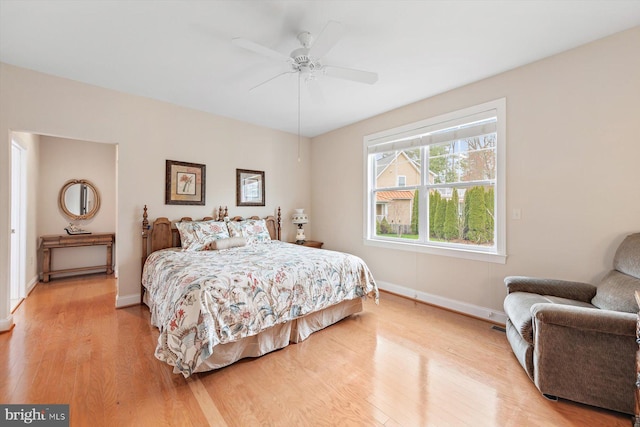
{"points": [[259, 49], [351, 74], [272, 78], [329, 36]]}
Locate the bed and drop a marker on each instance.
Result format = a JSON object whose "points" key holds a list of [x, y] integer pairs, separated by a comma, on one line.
{"points": [[222, 289]]}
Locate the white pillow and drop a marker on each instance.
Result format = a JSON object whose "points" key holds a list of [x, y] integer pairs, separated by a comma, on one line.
{"points": [[231, 242]]}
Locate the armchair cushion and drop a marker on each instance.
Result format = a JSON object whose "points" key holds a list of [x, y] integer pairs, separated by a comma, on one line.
{"points": [[518, 307], [579, 291], [616, 292]]}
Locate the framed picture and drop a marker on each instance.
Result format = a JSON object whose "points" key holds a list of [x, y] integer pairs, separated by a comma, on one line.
{"points": [[249, 188], [185, 183]]}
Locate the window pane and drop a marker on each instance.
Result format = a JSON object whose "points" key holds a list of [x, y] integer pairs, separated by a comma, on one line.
{"points": [[442, 163], [397, 168], [462, 215], [397, 214], [481, 158], [464, 160]]}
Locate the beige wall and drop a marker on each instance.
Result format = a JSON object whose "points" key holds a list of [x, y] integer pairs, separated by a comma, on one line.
{"points": [[572, 168], [64, 159], [147, 133]]}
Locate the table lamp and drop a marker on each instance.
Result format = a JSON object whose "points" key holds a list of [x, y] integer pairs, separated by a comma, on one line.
{"points": [[300, 218]]}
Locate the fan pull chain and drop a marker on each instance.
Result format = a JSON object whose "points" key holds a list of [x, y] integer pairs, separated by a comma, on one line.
{"points": [[298, 117]]}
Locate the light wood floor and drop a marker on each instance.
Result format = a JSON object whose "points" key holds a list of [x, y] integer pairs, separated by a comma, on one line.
{"points": [[397, 364]]}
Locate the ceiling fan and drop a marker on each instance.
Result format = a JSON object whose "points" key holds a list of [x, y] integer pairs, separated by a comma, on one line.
{"points": [[307, 60]]}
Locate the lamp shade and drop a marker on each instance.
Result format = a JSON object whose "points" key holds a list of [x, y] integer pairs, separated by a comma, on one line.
{"points": [[299, 217]]}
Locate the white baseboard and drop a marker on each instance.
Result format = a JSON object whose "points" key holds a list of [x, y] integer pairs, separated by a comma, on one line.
{"points": [[6, 324], [127, 300], [32, 284], [450, 304]]}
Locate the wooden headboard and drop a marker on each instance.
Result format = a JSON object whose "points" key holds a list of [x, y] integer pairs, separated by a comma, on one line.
{"points": [[163, 233]]}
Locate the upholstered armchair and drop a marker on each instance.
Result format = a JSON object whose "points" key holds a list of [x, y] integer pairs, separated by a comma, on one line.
{"points": [[575, 340]]}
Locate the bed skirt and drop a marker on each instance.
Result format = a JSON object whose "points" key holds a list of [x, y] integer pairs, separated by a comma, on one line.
{"points": [[279, 336]]}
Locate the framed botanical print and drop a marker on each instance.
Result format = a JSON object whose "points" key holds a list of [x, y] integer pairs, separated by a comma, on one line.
{"points": [[185, 183], [249, 188]]}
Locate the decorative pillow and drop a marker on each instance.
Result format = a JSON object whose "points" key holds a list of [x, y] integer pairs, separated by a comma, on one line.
{"points": [[254, 230], [187, 233], [199, 235], [231, 242]]}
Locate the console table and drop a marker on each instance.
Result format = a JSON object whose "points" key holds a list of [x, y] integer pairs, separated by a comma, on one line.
{"points": [[50, 242]]}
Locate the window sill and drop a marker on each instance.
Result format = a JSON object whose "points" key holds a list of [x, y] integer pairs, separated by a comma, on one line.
{"points": [[437, 250]]}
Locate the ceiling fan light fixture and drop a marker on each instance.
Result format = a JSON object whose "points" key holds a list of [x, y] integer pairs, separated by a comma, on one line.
{"points": [[305, 38]]}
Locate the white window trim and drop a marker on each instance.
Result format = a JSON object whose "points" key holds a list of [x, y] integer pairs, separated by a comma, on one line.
{"points": [[474, 253]]}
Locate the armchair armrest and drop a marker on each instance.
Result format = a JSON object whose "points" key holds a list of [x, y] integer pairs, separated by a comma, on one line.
{"points": [[586, 319], [578, 291], [584, 354]]}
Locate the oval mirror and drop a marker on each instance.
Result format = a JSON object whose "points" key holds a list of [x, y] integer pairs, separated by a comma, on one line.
{"points": [[79, 199]]}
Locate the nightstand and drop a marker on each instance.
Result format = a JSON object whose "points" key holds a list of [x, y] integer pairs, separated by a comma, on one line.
{"points": [[311, 244]]}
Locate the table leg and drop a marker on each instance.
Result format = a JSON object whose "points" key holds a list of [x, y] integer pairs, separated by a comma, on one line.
{"points": [[46, 264], [109, 259]]}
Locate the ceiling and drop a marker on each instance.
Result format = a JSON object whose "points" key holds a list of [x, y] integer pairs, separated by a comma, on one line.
{"points": [[181, 51]]}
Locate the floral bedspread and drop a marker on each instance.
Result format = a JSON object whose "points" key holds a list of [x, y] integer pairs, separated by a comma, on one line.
{"points": [[201, 299]]}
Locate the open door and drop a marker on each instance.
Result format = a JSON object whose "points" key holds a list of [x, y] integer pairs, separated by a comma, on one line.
{"points": [[18, 226]]}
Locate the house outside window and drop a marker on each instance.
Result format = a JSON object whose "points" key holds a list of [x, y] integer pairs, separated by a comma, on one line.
{"points": [[438, 185]]}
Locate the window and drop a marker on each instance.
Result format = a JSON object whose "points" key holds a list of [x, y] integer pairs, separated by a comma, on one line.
{"points": [[438, 185]]}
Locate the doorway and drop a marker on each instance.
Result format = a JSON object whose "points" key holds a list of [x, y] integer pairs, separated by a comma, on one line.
{"points": [[18, 224]]}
